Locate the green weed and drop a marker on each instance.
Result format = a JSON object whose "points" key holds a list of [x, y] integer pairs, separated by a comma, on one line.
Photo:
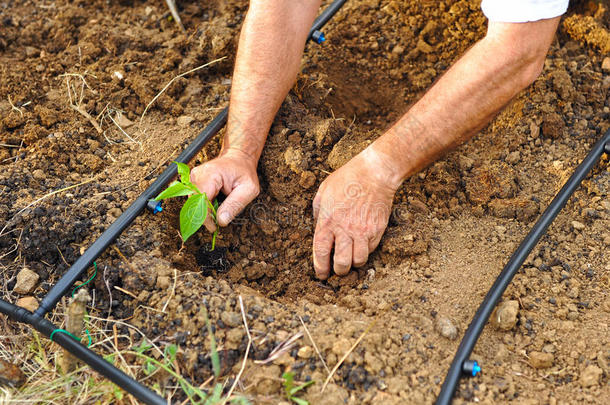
{"points": [[290, 389]]}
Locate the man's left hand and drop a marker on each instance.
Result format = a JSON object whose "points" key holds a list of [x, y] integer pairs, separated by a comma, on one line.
{"points": [[351, 209]]}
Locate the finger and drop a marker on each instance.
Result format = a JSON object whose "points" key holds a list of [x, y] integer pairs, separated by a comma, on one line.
{"points": [[206, 182], [361, 252], [316, 205], [374, 241], [322, 246], [343, 254], [235, 202]]}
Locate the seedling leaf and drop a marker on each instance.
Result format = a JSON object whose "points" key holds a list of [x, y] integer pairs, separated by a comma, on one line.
{"points": [[176, 189], [192, 215], [184, 171]]}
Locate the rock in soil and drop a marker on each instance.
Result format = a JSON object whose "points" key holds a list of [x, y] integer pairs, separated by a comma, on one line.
{"points": [[446, 328], [504, 316], [10, 374], [541, 360], [231, 319], [29, 303], [26, 281], [590, 376]]}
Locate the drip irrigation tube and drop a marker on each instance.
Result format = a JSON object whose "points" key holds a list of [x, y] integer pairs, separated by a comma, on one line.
{"points": [[456, 370], [135, 209], [96, 362]]}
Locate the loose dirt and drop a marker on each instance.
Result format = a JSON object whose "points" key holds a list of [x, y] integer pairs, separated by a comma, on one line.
{"points": [[453, 227]]}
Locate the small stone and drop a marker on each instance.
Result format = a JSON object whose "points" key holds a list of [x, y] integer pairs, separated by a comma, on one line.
{"points": [[504, 316], [590, 376], [341, 346], [446, 328], [541, 360], [305, 352], [123, 121], [10, 374], [38, 174], [513, 157], [307, 180], [185, 120], [606, 64], [29, 303], [26, 281], [578, 225], [235, 336], [231, 319]]}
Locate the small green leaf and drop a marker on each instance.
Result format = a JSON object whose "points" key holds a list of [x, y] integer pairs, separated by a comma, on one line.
{"points": [[294, 390], [192, 215], [118, 393], [149, 368], [176, 189], [184, 171], [216, 395], [300, 401], [170, 353]]}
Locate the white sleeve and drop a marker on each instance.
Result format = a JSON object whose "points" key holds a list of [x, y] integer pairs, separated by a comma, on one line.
{"points": [[516, 11]]}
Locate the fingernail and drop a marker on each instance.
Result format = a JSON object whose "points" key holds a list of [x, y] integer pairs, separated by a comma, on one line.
{"points": [[224, 218]]}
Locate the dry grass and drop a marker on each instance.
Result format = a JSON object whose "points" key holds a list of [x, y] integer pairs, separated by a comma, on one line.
{"points": [[38, 358]]}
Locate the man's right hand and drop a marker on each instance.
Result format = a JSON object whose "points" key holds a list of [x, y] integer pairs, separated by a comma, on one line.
{"points": [[233, 173]]}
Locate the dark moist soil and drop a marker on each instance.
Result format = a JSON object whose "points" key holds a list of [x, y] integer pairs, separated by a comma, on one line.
{"points": [[453, 227]]}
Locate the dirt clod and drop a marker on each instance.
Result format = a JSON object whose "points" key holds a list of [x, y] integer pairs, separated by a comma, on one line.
{"points": [[590, 376], [541, 360], [10, 374]]}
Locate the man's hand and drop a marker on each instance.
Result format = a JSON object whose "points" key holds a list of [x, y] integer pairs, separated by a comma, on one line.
{"points": [[352, 208], [233, 173]]}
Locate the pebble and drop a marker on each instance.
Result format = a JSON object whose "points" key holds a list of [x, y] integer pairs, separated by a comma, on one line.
{"points": [[446, 328], [504, 316], [11, 374], [590, 376], [513, 157], [606, 64], [29, 303], [26, 281], [578, 225], [184, 120], [541, 360], [305, 352], [307, 180], [231, 319]]}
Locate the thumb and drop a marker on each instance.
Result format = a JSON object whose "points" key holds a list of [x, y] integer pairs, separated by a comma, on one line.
{"points": [[235, 202], [206, 181]]}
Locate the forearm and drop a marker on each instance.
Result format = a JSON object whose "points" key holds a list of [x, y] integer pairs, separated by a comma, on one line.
{"points": [[466, 98], [268, 59]]}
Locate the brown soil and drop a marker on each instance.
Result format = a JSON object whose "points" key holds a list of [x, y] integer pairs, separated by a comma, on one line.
{"points": [[453, 227]]}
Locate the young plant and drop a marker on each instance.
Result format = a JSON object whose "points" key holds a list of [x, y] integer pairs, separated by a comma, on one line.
{"points": [[195, 210], [291, 389]]}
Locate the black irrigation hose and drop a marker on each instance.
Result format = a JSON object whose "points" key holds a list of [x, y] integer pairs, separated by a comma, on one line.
{"points": [[96, 362], [456, 370]]}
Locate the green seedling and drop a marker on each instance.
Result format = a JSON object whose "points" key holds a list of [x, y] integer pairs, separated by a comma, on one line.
{"points": [[195, 210], [290, 389]]}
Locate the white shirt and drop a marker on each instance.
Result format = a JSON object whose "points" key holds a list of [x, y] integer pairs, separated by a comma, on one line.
{"points": [[515, 11]]}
